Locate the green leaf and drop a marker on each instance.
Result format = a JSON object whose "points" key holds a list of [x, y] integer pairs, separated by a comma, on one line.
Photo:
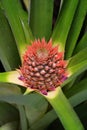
{"points": [[28, 35], [25, 100], [79, 60], [76, 27], [23, 119], [11, 11], [22, 99], [82, 112], [74, 71], [82, 44], [9, 126], [25, 25], [15, 16], [78, 93], [36, 110], [11, 77], [9, 89], [41, 18], [47, 119], [77, 64], [35, 105], [8, 48], [63, 23], [8, 113]]}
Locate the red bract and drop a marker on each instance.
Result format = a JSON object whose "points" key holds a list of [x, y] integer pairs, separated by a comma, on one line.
{"points": [[43, 67]]}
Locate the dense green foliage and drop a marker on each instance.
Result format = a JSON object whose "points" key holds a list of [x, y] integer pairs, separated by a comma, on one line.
{"points": [[22, 21]]}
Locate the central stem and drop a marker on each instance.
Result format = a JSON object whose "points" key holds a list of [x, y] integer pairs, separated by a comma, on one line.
{"points": [[64, 110]]}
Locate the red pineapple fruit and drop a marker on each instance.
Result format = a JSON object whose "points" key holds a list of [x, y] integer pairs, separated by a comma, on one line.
{"points": [[43, 67]]}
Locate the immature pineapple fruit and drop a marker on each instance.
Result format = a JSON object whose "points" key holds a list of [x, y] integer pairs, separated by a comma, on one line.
{"points": [[43, 67]]}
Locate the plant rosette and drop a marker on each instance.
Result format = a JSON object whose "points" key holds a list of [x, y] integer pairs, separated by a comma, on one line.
{"points": [[44, 70]]}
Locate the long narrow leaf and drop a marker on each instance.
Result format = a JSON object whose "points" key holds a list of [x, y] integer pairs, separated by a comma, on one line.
{"points": [[9, 89], [82, 112], [76, 27], [11, 11], [25, 25], [23, 99], [41, 18], [78, 58], [23, 119], [47, 119], [64, 21], [82, 44], [11, 77], [16, 16], [77, 64], [6, 112], [8, 49], [36, 110], [78, 93]]}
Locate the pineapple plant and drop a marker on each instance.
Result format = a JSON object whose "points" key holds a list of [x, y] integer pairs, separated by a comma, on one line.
{"points": [[44, 63]]}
